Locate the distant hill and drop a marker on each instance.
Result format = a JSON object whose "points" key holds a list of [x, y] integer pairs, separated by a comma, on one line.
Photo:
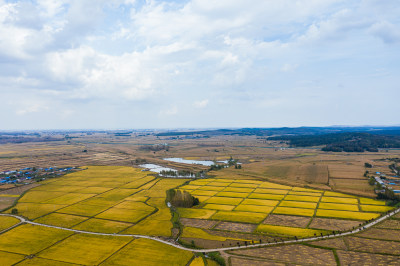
{"points": [[348, 141], [283, 131]]}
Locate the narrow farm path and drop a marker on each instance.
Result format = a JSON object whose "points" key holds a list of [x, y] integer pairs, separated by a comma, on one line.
{"points": [[362, 228]]}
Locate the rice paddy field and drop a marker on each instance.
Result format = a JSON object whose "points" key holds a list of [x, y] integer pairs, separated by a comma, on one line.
{"points": [[267, 209], [125, 200]]}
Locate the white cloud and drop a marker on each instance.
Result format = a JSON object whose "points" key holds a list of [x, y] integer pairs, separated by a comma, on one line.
{"points": [[386, 31], [31, 108], [135, 54], [171, 111], [201, 104]]}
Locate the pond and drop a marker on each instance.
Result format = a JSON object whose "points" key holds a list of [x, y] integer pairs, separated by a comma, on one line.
{"points": [[181, 160], [156, 168]]}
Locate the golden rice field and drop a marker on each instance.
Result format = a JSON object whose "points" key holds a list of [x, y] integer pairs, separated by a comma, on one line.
{"points": [[106, 199], [251, 202], [124, 200]]}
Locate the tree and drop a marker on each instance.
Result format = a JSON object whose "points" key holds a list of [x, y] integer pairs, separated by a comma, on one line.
{"points": [[14, 211]]}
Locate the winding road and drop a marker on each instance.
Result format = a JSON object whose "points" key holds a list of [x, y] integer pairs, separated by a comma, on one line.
{"points": [[362, 228]]}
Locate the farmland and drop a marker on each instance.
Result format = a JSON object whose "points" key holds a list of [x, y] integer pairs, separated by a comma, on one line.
{"points": [[290, 213], [277, 195]]}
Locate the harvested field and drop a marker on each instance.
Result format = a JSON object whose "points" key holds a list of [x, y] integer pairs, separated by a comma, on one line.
{"points": [[286, 220], [293, 211], [358, 258], [373, 245], [199, 223], [348, 171], [389, 224], [297, 254], [384, 234], [236, 227], [239, 216], [337, 243], [236, 261], [333, 224], [192, 232]]}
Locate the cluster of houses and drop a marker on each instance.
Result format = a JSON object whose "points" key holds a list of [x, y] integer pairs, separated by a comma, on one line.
{"points": [[28, 174], [391, 182]]}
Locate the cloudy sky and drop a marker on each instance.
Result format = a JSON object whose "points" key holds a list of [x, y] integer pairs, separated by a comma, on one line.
{"points": [[76, 64]]}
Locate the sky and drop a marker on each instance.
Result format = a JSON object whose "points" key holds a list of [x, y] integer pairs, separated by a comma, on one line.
{"points": [[134, 64]]}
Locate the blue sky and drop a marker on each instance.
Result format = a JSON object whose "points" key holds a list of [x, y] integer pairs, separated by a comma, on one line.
{"points": [[78, 64]]}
